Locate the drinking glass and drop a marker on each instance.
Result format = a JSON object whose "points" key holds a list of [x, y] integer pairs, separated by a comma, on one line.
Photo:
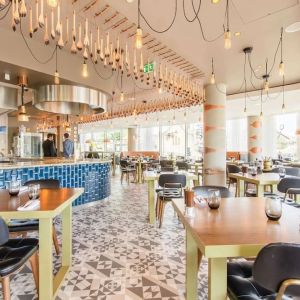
{"points": [[34, 191], [14, 187], [273, 208], [282, 172], [214, 199], [253, 171], [244, 169]]}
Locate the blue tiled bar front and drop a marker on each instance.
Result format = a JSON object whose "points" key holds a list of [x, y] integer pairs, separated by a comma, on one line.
{"points": [[94, 177]]}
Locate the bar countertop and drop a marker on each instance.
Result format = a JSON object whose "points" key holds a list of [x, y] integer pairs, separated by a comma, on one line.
{"points": [[50, 162]]}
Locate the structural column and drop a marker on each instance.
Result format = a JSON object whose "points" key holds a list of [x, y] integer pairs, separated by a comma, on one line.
{"points": [[215, 135], [132, 139], [269, 134], [255, 140]]}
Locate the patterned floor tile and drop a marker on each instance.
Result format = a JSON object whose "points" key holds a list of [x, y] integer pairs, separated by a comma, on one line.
{"points": [[118, 255]]}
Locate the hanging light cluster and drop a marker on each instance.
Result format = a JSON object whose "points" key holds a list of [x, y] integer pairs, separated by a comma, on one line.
{"points": [[97, 46]]}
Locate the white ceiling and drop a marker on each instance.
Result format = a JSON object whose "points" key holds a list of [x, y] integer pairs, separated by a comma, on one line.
{"points": [[258, 21]]}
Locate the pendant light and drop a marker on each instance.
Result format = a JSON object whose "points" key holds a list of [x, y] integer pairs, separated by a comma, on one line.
{"points": [[212, 77], [41, 17], [46, 34], [56, 74], [79, 42], [22, 115], [281, 65], [74, 26], [139, 32], [23, 9], [58, 22], [36, 26], [266, 78], [122, 97], [84, 70], [52, 25], [30, 23], [227, 34]]}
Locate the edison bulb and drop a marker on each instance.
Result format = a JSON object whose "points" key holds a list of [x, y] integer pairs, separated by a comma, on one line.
{"points": [[56, 78], [84, 71], [281, 69], [266, 86], [283, 107], [215, 1], [122, 97], [227, 39], [212, 78], [139, 38]]}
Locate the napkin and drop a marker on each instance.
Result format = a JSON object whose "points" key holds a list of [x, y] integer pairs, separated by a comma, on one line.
{"points": [[30, 205]]}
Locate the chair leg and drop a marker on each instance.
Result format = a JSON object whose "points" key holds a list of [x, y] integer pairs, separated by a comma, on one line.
{"points": [[162, 211], [34, 262], [157, 207], [122, 174], [6, 288], [55, 240]]}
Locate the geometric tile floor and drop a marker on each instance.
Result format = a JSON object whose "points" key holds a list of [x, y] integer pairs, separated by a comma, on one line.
{"points": [[118, 255]]}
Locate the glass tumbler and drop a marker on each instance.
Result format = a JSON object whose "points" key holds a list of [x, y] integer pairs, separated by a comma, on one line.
{"points": [[273, 208], [14, 187], [34, 191], [214, 199]]}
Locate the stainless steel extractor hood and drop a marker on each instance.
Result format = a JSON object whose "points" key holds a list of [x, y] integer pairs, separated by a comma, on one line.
{"points": [[8, 98], [70, 100]]}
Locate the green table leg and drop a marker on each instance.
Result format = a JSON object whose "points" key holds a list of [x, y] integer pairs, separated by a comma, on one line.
{"points": [[151, 201], [217, 281], [260, 190], [139, 173], [67, 236], [192, 265], [45, 259], [241, 188]]}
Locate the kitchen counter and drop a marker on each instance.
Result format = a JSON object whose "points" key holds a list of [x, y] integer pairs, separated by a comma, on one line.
{"points": [[93, 175]]}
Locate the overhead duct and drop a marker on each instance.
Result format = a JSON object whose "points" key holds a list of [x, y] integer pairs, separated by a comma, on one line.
{"points": [[8, 98], [70, 100]]}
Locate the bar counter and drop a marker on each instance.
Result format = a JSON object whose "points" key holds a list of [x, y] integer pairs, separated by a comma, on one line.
{"points": [[92, 175]]}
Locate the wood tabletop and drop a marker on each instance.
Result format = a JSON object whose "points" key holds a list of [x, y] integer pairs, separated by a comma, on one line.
{"points": [[151, 175], [262, 179], [52, 201], [239, 227]]}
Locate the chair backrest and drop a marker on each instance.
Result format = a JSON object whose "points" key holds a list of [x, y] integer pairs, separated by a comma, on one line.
{"points": [[172, 179], [231, 168], [182, 165], [287, 183], [276, 263], [291, 171], [45, 183], [203, 190], [167, 169], [123, 163], [166, 163], [3, 232]]}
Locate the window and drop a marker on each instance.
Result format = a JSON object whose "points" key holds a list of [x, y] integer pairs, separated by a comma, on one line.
{"points": [[194, 140], [173, 140], [148, 139], [236, 135], [286, 140]]}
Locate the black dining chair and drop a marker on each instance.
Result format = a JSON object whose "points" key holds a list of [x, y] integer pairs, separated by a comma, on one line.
{"points": [[166, 163], [14, 253], [202, 191], [289, 171], [274, 275], [126, 170], [290, 187], [172, 187], [231, 168], [182, 165], [24, 226]]}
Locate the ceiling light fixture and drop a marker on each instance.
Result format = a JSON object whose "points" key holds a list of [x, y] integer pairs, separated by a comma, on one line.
{"points": [[212, 78], [84, 70], [266, 78], [22, 116], [129, 1], [281, 65], [215, 1], [237, 33], [7, 76], [227, 33], [293, 27], [139, 32]]}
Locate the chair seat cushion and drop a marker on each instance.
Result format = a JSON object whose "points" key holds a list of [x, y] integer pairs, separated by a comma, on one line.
{"points": [[15, 253], [169, 194], [23, 225], [241, 285]]}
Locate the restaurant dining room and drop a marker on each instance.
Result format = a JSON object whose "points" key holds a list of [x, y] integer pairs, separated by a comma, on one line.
{"points": [[149, 149]]}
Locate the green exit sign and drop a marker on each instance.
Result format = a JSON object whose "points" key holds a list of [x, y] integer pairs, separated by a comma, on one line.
{"points": [[148, 68]]}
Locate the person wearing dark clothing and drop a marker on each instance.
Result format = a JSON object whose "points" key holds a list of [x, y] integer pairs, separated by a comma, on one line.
{"points": [[49, 146], [68, 146]]}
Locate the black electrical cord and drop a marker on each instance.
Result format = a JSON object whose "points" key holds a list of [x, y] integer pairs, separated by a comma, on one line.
{"points": [[150, 26], [31, 52], [196, 13], [8, 6], [99, 74]]}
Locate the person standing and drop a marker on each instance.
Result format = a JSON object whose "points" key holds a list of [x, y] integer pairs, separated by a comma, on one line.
{"points": [[49, 146], [68, 146]]}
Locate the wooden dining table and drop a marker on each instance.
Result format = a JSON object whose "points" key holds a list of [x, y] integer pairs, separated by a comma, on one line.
{"points": [[53, 202], [260, 181], [151, 177], [239, 228]]}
